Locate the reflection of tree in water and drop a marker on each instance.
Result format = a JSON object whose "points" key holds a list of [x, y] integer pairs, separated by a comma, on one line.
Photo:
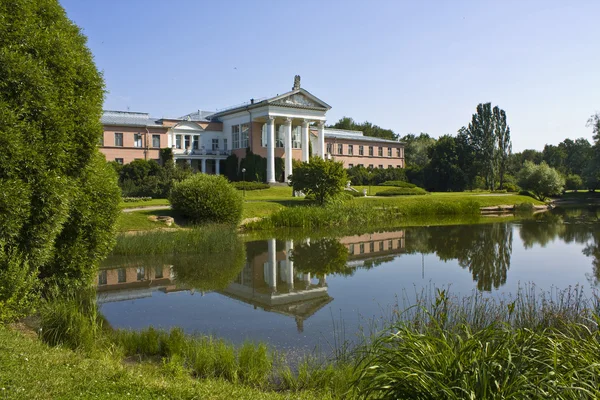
{"points": [[321, 256], [484, 249]]}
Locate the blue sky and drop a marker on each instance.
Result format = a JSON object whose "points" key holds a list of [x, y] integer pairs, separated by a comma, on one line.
{"points": [[412, 66]]}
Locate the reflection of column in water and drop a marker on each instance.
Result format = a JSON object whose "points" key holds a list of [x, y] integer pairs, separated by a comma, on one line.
{"points": [[323, 280], [272, 273], [289, 247]]}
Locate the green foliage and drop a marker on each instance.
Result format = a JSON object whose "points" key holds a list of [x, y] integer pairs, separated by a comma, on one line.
{"points": [[71, 319], [359, 175], [320, 178], [231, 167], [88, 235], [51, 97], [367, 128], [256, 168], [143, 178], [400, 191], [250, 185], [416, 150], [166, 156], [400, 184], [573, 182], [18, 285], [541, 180], [207, 198]]}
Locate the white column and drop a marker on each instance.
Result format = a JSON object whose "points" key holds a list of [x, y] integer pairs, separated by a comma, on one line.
{"points": [[288, 148], [272, 254], [305, 141], [217, 167], [270, 149], [204, 165], [289, 247], [321, 138]]}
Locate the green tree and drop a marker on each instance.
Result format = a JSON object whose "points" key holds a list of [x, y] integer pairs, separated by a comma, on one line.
{"points": [[592, 171], [541, 180], [555, 157], [578, 155], [321, 256], [573, 182], [367, 128], [443, 169], [504, 144], [321, 178], [51, 98]]}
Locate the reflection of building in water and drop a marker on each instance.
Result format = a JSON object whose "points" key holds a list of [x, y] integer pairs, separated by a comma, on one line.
{"points": [[268, 279], [128, 283], [373, 245]]}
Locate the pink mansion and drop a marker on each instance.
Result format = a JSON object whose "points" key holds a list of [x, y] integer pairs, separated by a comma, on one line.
{"points": [[280, 126]]}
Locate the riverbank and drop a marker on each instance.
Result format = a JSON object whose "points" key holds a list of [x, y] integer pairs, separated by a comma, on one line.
{"points": [[265, 204]]}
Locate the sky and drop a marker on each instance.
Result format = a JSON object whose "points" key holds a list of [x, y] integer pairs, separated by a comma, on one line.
{"points": [[411, 66]]}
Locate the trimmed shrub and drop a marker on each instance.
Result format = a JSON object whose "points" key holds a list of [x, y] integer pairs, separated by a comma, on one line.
{"points": [[250, 185], [402, 192], [400, 184], [207, 198]]}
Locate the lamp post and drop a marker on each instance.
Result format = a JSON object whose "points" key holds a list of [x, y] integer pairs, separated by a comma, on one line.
{"points": [[244, 179]]}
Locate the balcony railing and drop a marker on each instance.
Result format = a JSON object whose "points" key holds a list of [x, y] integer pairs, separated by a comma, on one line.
{"points": [[202, 152]]}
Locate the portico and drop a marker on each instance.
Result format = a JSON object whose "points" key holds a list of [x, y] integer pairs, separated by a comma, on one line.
{"points": [[283, 123]]}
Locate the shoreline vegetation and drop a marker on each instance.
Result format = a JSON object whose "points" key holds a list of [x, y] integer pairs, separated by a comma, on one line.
{"points": [[275, 208], [532, 344]]}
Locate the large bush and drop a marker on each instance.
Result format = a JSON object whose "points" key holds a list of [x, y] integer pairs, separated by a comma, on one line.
{"points": [[321, 178], [207, 198], [51, 98]]}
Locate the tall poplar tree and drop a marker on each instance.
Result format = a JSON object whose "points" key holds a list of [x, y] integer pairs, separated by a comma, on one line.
{"points": [[502, 132]]}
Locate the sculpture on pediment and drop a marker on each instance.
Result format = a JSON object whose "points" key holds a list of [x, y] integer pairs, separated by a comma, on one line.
{"points": [[296, 82]]}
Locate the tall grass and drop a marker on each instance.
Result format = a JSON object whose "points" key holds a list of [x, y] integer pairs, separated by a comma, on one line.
{"points": [[205, 239], [531, 346], [362, 213]]}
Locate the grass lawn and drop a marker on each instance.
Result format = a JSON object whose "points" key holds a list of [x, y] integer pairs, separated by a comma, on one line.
{"points": [[149, 203], [31, 370]]}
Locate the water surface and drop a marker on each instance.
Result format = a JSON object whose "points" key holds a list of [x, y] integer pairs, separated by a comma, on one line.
{"points": [[291, 293]]}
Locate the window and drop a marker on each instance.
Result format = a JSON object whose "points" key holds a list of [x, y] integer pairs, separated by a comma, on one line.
{"points": [[371, 150], [235, 137], [372, 247], [370, 166], [361, 150], [158, 272], [187, 140], [215, 144], [279, 135], [263, 138], [380, 151], [141, 273], [225, 144], [195, 142], [122, 275], [390, 244], [119, 161], [137, 140], [398, 153], [118, 139], [101, 140], [245, 128], [350, 165], [350, 150], [351, 248], [380, 166], [296, 141], [155, 140], [362, 248], [329, 148], [177, 141], [361, 165], [340, 148], [102, 278], [381, 246]]}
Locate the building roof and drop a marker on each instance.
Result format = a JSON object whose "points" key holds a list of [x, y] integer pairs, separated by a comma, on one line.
{"points": [[127, 118], [332, 133], [198, 116], [296, 98]]}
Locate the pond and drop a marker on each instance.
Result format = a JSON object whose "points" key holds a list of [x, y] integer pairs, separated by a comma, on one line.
{"points": [[305, 292]]}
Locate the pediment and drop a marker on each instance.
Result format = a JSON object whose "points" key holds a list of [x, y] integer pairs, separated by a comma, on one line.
{"points": [[188, 126], [299, 98]]}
